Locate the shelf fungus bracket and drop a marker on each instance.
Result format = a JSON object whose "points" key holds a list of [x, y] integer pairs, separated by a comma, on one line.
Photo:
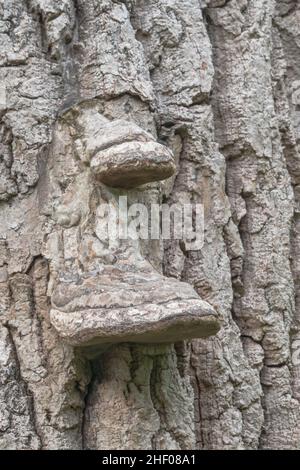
{"points": [[102, 294]]}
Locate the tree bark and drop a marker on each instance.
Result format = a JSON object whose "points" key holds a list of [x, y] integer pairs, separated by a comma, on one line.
{"points": [[217, 82]]}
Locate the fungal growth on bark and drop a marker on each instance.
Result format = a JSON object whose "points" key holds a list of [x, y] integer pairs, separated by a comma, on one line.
{"points": [[125, 156], [129, 303], [104, 291]]}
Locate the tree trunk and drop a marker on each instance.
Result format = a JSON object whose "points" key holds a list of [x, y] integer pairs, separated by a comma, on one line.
{"points": [[218, 83]]}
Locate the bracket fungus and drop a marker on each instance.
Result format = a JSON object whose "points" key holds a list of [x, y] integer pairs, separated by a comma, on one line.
{"points": [[126, 156], [129, 303], [98, 299]]}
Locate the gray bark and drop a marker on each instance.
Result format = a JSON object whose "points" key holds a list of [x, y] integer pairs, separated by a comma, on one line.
{"points": [[218, 83]]}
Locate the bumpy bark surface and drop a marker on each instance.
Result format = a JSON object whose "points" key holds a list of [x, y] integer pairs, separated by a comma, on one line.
{"points": [[218, 83]]}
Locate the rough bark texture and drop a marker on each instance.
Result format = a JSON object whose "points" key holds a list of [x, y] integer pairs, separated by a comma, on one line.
{"points": [[218, 82]]}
